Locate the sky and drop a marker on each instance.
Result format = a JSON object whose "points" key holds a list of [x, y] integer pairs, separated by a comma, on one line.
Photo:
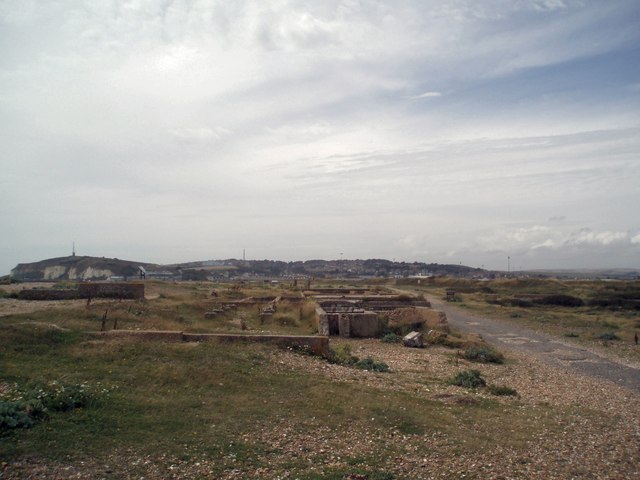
{"points": [[448, 131]]}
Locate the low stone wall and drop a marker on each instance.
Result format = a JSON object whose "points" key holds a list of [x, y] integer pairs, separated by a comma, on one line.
{"points": [[144, 335], [48, 294], [319, 345], [126, 291], [364, 325]]}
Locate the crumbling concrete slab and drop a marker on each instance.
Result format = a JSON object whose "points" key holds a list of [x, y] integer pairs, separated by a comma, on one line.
{"points": [[413, 340]]}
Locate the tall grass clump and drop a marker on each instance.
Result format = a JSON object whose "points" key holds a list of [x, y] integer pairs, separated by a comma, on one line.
{"points": [[468, 379], [483, 355]]}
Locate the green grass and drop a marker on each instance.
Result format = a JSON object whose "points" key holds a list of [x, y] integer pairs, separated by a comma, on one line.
{"points": [[200, 399], [222, 403]]}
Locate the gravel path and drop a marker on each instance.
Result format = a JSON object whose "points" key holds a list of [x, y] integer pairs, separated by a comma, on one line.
{"points": [[553, 351]]}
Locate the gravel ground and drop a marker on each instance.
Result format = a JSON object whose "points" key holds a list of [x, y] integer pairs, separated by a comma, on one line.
{"points": [[597, 436], [550, 349]]}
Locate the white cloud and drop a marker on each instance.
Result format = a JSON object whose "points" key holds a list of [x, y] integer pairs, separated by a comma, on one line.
{"points": [[199, 134], [247, 105], [426, 95], [588, 237], [550, 5]]}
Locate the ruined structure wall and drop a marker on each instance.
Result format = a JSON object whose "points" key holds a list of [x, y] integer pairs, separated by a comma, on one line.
{"points": [[127, 291], [48, 294], [365, 325]]}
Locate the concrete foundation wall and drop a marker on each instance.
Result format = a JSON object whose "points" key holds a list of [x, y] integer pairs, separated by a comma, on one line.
{"points": [[344, 325], [127, 291], [322, 320], [144, 335], [318, 345], [348, 324], [48, 294], [364, 325]]}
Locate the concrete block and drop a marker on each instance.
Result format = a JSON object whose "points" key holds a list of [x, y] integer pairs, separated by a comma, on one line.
{"points": [[413, 340]]}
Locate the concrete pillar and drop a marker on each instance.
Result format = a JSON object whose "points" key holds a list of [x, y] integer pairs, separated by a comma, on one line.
{"points": [[344, 325]]}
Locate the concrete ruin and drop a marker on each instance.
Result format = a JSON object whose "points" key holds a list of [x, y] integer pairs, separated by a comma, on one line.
{"points": [[347, 319], [366, 315]]}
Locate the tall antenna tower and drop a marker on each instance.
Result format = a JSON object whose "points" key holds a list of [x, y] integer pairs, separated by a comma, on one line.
{"points": [[244, 257], [73, 249]]}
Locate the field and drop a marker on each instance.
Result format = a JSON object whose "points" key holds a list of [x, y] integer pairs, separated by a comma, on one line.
{"points": [[128, 409]]}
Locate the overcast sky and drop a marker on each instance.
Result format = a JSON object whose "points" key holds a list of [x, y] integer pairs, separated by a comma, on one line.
{"points": [[441, 131]]}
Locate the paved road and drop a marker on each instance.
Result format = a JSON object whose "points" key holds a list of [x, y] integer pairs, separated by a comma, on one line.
{"points": [[505, 334]]}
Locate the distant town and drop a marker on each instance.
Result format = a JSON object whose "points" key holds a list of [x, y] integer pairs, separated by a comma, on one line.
{"points": [[87, 268]]}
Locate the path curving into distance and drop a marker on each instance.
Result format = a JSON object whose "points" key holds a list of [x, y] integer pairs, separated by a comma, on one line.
{"points": [[506, 335]]}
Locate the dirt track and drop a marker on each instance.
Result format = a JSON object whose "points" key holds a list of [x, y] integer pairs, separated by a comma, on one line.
{"points": [[506, 335]]}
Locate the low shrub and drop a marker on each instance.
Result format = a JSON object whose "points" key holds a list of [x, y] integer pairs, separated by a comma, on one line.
{"points": [[370, 364], [502, 391], [561, 300], [284, 319], [571, 335], [483, 355], [449, 341], [25, 406], [390, 338], [615, 300], [342, 355], [609, 336], [13, 415], [609, 325], [516, 302], [468, 379]]}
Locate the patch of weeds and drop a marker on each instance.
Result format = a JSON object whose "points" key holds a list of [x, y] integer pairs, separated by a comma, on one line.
{"points": [[501, 390], [468, 379], [342, 356], [609, 336], [284, 319], [610, 325], [370, 364], [515, 315], [59, 397], [561, 300], [483, 355], [13, 415], [346, 474], [300, 349], [390, 338], [441, 338], [571, 335], [26, 406]]}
